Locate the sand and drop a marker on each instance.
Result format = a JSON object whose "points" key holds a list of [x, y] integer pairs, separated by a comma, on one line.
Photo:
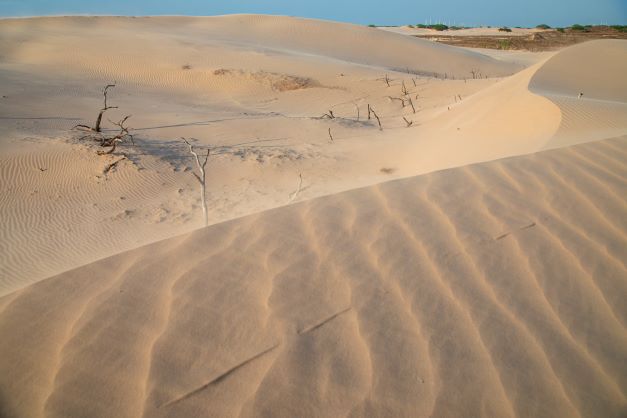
{"points": [[471, 264]]}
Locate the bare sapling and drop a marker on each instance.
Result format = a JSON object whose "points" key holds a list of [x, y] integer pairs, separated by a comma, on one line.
{"points": [[96, 127], [201, 178], [293, 195], [119, 137], [408, 122], [330, 136], [357, 107], [387, 80], [369, 111], [329, 115]]}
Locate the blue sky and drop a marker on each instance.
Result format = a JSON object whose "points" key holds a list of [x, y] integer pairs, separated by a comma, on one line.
{"points": [[383, 12]]}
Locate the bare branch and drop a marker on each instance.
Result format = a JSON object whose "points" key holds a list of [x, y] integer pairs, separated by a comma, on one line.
{"points": [[300, 184], [330, 136], [408, 122]]}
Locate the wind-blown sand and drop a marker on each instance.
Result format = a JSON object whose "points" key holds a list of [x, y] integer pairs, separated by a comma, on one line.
{"points": [[488, 289]]}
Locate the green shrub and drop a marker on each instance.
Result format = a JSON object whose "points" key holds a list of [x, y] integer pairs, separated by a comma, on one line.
{"points": [[620, 28], [438, 26], [543, 26], [371, 26], [577, 27], [560, 30], [504, 44], [421, 26], [410, 26], [505, 29]]}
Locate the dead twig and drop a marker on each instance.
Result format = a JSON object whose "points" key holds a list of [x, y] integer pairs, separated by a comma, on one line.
{"points": [[108, 167], [330, 136], [412, 104], [378, 120], [404, 89], [408, 122]]}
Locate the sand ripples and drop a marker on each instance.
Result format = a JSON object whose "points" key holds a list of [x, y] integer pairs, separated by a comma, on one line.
{"points": [[492, 290]]}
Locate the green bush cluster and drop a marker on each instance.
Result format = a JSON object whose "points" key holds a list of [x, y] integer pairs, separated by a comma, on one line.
{"points": [[505, 29], [543, 26]]}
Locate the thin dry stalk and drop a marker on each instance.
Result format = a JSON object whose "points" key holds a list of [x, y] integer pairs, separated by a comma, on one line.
{"points": [[412, 104], [378, 120], [408, 122]]}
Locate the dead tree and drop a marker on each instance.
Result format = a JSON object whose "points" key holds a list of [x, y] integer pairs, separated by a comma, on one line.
{"points": [[330, 136], [369, 111], [119, 137], [387, 80], [408, 122], [329, 115], [201, 178], [96, 127]]}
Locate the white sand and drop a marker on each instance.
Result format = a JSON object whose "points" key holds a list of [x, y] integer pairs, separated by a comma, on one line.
{"points": [[485, 290]]}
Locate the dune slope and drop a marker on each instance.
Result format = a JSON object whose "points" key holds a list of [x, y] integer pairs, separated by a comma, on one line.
{"points": [[494, 289]]}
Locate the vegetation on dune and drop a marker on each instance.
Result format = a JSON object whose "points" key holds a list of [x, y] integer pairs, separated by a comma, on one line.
{"points": [[543, 26], [504, 29], [578, 27], [504, 44]]}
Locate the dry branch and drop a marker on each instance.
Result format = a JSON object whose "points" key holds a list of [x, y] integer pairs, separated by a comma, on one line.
{"points": [[329, 115], [330, 136], [120, 137], [96, 127], [201, 178], [408, 122]]}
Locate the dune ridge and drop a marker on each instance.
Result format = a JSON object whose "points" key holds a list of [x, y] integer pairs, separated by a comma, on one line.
{"points": [[504, 278]]}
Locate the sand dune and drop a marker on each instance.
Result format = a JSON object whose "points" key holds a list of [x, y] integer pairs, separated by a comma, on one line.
{"points": [[255, 97], [337, 278], [490, 290], [269, 35]]}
